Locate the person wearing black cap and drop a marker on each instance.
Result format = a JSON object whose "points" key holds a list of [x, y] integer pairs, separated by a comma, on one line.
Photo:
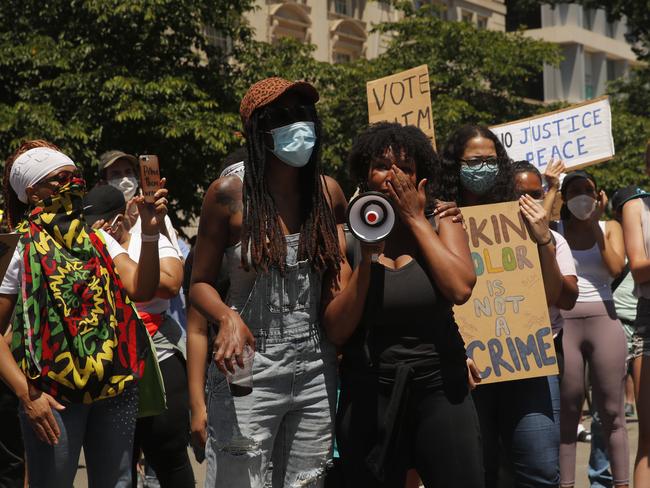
{"points": [[592, 332], [276, 234], [163, 438], [636, 227]]}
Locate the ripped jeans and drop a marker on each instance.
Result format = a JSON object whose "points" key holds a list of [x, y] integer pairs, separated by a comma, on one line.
{"points": [[287, 419]]}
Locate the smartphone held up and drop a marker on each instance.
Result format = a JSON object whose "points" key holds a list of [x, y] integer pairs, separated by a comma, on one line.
{"points": [[149, 176]]}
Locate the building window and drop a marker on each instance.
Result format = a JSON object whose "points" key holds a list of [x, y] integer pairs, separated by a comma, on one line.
{"points": [[343, 7], [588, 16], [611, 69], [467, 16], [482, 22], [342, 58], [589, 79], [611, 28], [289, 20]]}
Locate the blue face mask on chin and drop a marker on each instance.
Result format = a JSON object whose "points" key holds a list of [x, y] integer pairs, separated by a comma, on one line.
{"points": [[478, 179], [294, 143]]}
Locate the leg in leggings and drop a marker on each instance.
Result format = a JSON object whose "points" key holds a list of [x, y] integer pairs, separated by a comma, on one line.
{"points": [[487, 399], [572, 396], [164, 438], [641, 374], [591, 333], [607, 357]]}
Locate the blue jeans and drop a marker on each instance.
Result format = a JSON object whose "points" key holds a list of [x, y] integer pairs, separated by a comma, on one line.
{"points": [[599, 473], [523, 417], [105, 429]]}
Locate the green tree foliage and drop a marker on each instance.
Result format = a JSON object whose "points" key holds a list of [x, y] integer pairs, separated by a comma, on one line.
{"points": [[138, 75], [477, 76]]}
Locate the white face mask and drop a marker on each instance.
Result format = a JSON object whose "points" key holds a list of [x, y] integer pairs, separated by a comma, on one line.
{"points": [[128, 185], [582, 206]]}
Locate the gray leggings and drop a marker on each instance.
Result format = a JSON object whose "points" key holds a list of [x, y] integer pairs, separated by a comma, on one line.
{"points": [[593, 333]]}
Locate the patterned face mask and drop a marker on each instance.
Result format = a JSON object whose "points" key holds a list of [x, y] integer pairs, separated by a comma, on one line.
{"points": [[77, 335]]}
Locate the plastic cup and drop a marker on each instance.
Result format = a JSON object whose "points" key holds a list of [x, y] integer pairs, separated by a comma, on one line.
{"points": [[241, 381]]}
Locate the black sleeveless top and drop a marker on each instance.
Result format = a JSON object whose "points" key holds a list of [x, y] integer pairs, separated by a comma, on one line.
{"points": [[406, 320]]}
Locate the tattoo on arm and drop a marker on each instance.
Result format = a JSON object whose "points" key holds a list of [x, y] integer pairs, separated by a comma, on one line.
{"points": [[230, 201]]}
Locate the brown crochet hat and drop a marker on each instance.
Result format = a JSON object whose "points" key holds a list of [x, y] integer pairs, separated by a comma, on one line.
{"points": [[266, 91]]}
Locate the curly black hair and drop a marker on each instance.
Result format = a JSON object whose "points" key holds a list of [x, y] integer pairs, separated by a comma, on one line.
{"points": [[408, 141], [504, 186]]}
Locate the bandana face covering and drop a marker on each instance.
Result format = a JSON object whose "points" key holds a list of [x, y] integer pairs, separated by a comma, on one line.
{"points": [[77, 335]]}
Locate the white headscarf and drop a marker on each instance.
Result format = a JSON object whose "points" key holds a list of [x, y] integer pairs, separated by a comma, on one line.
{"points": [[34, 165]]}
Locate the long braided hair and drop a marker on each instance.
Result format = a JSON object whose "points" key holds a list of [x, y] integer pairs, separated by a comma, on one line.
{"points": [[261, 230]]}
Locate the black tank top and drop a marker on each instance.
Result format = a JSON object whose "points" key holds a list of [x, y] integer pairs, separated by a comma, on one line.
{"points": [[406, 320]]}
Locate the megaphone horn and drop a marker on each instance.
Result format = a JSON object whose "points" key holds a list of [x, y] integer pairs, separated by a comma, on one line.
{"points": [[370, 217]]}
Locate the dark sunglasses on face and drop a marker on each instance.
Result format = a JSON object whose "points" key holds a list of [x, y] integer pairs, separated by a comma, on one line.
{"points": [[61, 178], [537, 194], [479, 161], [273, 117]]}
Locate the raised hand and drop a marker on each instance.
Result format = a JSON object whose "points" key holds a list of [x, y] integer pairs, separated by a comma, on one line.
{"points": [[535, 216], [152, 215], [553, 171], [408, 200]]}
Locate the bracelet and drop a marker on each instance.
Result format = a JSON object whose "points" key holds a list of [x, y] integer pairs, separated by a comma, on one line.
{"points": [[150, 237], [542, 244]]}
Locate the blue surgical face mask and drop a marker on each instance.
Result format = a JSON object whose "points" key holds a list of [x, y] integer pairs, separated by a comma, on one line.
{"points": [[294, 143], [480, 178]]}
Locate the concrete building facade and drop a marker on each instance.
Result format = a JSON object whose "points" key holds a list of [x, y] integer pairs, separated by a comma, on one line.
{"points": [[594, 49], [340, 29]]}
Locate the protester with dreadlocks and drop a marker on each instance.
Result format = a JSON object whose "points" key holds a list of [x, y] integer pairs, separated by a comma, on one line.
{"points": [[275, 232], [78, 345]]}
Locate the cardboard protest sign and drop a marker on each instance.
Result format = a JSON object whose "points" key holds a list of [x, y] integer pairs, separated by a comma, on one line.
{"points": [[404, 98], [505, 323], [580, 136]]}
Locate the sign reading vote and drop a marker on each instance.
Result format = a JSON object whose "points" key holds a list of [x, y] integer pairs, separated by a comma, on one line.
{"points": [[580, 135], [404, 98], [505, 323]]}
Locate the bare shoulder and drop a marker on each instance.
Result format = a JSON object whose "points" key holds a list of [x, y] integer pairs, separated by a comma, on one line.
{"points": [[225, 193], [336, 198]]}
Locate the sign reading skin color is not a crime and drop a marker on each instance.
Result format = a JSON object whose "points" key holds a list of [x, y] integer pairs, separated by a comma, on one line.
{"points": [[580, 135], [505, 323], [404, 98]]}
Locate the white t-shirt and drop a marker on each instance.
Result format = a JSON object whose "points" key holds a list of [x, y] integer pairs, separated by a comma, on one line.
{"points": [[165, 250], [14, 275], [565, 262], [173, 235]]}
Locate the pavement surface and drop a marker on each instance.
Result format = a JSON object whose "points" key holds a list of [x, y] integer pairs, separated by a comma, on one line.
{"points": [[582, 459]]}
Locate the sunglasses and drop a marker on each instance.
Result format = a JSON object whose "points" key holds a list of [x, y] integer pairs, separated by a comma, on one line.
{"points": [[537, 194], [61, 178], [273, 117]]}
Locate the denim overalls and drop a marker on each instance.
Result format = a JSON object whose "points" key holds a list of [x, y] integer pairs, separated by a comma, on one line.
{"points": [[288, 417]]}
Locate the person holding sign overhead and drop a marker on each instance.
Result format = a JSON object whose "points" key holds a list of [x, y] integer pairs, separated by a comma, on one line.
{"points": [[519, 414], [404, 390], [592, 332]]}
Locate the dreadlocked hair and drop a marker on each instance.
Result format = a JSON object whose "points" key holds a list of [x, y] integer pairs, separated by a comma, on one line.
{"points": [[14, 208], [503, 189], [262, 234], [408, 143]]}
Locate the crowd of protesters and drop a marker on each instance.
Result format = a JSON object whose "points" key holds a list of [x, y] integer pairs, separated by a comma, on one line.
{"points": [[119, 339]]}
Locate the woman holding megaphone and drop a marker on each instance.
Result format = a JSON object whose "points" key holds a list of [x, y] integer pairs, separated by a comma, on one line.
{"points": [[404, 392]]}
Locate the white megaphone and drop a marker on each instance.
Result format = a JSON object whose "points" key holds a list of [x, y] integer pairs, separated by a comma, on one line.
{"points": [[370, 217]]}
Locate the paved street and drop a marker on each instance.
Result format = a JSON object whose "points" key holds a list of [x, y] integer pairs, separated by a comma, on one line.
{"points": [[581, 471]]}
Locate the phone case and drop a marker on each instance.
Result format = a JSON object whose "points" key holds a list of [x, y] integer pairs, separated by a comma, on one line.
{"points": [[149, 176]]}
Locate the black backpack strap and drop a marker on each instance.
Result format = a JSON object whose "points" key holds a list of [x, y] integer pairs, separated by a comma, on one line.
{"points": [[621, 277]]}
